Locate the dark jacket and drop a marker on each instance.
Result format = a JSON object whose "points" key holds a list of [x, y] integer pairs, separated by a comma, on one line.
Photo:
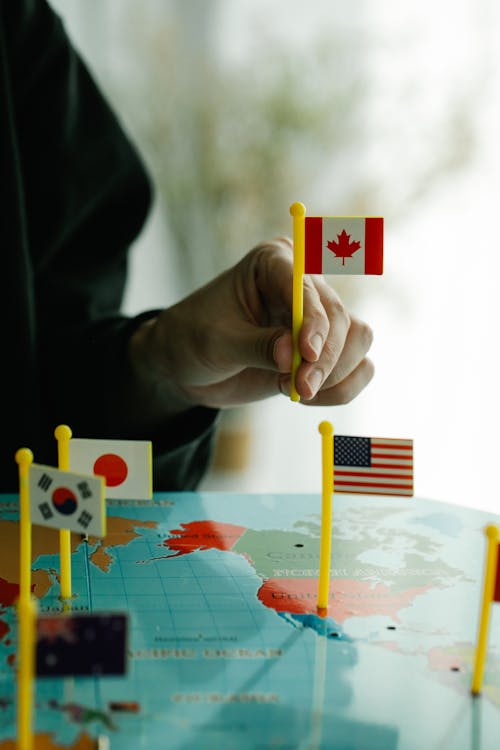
{"points": [[73, 196]]}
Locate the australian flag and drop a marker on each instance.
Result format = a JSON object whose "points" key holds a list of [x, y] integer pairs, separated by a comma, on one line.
{"points": [[81, 645]]}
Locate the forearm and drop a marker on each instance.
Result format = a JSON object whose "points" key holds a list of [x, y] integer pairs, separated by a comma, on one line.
{"points": [[182, 432], [151, 396]]}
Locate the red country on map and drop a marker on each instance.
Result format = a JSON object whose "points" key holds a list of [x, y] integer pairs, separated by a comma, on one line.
{"points": [[203, 535], [348, 597], [8, 595]]}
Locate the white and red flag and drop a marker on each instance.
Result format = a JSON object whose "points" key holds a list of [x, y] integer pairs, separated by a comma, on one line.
{"points": [[126, 465], [67, 500], [380, 466], [344, 244]]}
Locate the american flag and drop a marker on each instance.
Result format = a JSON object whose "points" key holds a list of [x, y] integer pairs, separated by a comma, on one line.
{"points": [[380, 466]]}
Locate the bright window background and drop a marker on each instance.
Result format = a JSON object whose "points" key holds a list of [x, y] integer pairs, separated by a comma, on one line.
{"points": [[385, 108]]}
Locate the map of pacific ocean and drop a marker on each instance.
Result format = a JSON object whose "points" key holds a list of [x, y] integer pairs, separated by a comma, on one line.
{"points": [[226, 648]]}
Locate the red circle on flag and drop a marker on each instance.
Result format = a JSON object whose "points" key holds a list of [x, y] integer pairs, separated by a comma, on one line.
{"points": [[112, 467], [64, 501]]}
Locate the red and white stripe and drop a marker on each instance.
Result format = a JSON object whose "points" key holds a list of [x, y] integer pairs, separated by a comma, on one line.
{"points": [[390, 473]]}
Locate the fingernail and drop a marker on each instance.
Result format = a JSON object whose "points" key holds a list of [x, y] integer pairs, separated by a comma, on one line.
{"points": [[314, 381], [282, 353], [316, 343], [284, 385]]}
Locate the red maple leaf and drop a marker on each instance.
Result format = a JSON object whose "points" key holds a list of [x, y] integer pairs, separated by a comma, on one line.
{"points": [[344, 248]]}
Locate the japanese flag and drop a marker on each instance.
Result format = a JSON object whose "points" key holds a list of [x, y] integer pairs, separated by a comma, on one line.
{"points": [[66, 500], [126, 465], [344, 244]]}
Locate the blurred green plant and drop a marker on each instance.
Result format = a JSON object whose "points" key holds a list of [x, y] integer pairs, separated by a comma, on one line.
{"points": [[230, 148]]}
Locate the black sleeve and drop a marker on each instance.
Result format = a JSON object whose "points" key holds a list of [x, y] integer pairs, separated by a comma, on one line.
{"points": [[86, 197]]}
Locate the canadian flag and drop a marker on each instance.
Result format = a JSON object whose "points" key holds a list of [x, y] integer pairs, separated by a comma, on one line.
{"points": [[126, 465], [344, 244], [67, 500]]}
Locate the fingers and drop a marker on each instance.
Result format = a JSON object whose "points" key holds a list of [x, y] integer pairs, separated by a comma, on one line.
{"points": [[323, 337], [357, 344], [347, 389], [345, 342], [264, 347], [325, 321], [332, 343]]}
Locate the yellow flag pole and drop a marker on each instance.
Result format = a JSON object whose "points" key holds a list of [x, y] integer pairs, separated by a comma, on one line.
{"points": [[24, 458], [319, 684], [25, 677], [298, 211], [63, 436], [492, 533], [26, 610], [326, 430]]}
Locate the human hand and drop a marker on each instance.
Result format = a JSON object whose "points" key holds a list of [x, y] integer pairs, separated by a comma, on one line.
{"points": [[230, 342]]}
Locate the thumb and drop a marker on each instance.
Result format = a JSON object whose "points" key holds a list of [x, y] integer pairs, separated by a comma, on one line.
{"points": [[268, 348]]}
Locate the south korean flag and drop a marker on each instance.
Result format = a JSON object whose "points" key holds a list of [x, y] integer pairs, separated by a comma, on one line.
{"points": [[65, 500]]}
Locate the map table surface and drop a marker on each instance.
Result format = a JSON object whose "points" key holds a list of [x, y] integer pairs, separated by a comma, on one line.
{"points": [[225, 647]]}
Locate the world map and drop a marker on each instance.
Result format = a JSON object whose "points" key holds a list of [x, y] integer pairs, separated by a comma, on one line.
{"points": [[226, 649]]}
